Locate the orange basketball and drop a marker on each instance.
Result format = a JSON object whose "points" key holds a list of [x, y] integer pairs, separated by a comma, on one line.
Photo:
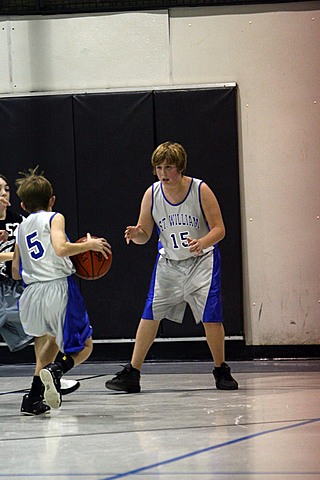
{"points": [[91, 265]]}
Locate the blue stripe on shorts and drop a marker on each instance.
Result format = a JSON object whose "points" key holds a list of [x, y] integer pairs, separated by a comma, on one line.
{"points": [[147, 312], [77, 328], [213, 308]]}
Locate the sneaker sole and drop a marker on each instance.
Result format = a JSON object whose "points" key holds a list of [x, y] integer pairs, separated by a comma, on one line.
{"points": [[51, 395], [34, 414], [111, 386]]}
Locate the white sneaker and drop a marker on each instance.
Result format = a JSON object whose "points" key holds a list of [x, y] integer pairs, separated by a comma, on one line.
{"points": [[68, 386]]}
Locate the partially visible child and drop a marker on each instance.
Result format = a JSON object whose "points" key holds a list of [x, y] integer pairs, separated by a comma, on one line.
{"points": [[51, 303], [10, 290]]}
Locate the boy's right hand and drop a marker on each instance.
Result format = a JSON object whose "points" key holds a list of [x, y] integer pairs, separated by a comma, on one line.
{"points": [[5, 202], [132, 232], [3, 235]]}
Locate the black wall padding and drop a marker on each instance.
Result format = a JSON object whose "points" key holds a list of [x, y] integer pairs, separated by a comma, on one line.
{"points": [[39, 131], [205, 122], [96, 150], [114, 140]]}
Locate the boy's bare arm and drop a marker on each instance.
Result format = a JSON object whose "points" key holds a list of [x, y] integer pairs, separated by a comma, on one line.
{"points": [[64, 248], [16, 264], [142, 232]]}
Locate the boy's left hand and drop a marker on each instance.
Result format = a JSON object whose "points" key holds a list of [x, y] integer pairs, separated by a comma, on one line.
{"points": [[195, 246]]}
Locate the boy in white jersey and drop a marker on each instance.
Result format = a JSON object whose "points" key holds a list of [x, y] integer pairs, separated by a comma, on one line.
{"points": [[187, 270], [10, 290], [51, 303]]}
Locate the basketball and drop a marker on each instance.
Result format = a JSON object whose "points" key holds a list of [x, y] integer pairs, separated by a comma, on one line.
{"points": [[91, 265]]}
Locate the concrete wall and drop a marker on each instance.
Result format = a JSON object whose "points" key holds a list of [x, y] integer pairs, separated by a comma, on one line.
{"points": [[273, 53]]}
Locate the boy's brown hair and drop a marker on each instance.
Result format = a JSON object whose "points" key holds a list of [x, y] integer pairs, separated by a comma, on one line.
{"points": [[172, 153], [34, 190]]}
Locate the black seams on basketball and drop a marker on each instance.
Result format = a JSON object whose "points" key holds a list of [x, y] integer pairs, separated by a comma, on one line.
{"points": [[91, 265]]}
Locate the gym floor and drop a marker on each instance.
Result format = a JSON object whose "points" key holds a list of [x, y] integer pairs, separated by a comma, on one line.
{"points": [[178, 427]]}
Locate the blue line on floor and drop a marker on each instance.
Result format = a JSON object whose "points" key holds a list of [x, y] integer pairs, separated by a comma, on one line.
{"points": [[209, 449]]}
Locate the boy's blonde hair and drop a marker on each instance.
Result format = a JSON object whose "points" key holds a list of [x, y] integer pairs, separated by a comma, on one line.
{"points": [[34, 190], [172, 153]]}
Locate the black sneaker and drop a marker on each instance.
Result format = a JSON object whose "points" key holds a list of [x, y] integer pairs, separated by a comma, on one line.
{"points": [[224, 379], [128, 380], [33, 406], [50, 377]]}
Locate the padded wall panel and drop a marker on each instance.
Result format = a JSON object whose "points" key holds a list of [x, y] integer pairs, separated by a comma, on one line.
{"points": [[39, 131], [114, 142], [204, 121], [96, 149]]}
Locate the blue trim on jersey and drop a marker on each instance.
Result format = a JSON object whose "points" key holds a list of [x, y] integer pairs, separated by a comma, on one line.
{"points": [[20, 271], [213, 308], [147, 312], [152, 196], [185, 198], [200, 203], [201, 207], [160, 246], [77, 328], [51, 218]]}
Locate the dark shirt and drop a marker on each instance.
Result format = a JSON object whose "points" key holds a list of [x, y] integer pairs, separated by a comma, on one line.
{"points": [[10, 224]]}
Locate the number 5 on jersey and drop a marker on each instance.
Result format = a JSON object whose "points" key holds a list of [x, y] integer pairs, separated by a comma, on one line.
{"points": [[35, 247]]}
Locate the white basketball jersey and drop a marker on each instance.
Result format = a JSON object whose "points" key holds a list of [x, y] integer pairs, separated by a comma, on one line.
{"points": [[39, 260], [175, 223]]}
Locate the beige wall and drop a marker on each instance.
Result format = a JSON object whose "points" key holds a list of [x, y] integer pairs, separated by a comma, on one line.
{"points": [[272, 52]]}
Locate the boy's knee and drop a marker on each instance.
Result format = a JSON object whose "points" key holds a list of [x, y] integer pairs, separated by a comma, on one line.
{"points": [[89, 344]]}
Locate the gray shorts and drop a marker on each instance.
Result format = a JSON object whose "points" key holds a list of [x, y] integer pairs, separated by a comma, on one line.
{"points": [[56, 308], [42, 308], [10, 324], [196, 281]]}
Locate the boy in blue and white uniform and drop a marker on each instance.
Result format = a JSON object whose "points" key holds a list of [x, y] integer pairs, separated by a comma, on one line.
{"points": [[51, 303], [189, 223], [10, 290]]}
